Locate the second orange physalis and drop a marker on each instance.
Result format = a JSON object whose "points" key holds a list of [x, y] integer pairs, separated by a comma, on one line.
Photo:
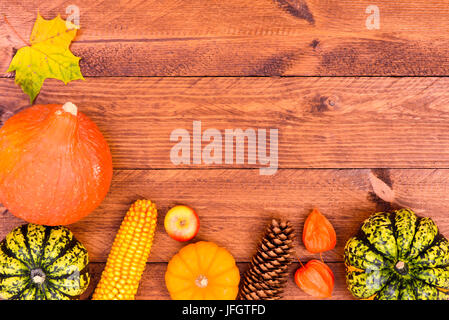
{"points": [[315, 279], [318, 235]]}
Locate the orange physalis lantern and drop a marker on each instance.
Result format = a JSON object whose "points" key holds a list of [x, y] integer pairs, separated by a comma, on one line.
{"points": [[315, 279], [318, 235]]}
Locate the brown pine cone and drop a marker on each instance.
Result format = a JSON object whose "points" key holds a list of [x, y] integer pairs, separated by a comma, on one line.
{"points": [[267, 275]]}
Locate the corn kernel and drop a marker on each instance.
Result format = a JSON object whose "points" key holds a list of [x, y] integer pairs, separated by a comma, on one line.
{"points": [[129, 253]]}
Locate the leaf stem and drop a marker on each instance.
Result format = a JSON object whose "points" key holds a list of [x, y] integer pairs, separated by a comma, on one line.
{"points": [[16, 33]]}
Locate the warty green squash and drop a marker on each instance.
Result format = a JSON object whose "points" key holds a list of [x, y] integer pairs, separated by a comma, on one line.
{"points": [[42, 263], [398, 256]]}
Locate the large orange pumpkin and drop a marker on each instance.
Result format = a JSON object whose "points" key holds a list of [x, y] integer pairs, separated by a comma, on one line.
{"points": [[202, 271], [55, 165]]}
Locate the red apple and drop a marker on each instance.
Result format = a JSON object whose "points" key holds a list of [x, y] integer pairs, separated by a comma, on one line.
{"points": [[181, 223]]}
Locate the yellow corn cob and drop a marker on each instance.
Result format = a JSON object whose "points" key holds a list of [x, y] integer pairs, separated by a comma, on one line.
{"points": [[129, 253]]}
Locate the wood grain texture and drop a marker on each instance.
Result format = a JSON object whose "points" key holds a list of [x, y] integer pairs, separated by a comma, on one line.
{"points": [[322, 122], [235, 206], [241, 38], [152, 285]]}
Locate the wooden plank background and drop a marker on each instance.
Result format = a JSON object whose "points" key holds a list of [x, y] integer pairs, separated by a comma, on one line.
{"points": [[349, 145], [322, 122], [244, 37]]}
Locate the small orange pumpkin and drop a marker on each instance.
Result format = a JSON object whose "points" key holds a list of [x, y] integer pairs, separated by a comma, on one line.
{"points": [[55, 165], [202, 271]]}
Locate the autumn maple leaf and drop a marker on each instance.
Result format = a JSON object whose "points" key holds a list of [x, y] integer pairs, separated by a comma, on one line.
{"points": [[47, 56]]}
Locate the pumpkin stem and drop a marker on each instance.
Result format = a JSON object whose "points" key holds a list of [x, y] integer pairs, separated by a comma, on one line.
{"points": [[401, 268], [201, 281], [38, 276], [70, 108]]}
